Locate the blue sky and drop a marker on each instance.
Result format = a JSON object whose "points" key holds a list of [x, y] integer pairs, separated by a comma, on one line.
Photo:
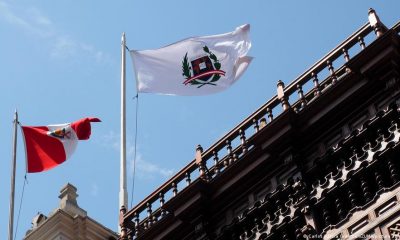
{"points": [[60, 61]]}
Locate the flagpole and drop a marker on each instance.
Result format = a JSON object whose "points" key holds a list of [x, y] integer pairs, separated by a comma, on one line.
{"points": [[123, 195], [12, 190]]}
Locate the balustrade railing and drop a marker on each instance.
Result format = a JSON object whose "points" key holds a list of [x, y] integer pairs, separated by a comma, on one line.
{"points": [[230, 148]]}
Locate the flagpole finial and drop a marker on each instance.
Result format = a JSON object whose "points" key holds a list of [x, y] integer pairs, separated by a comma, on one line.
{"points": [[16, 115], [123, 38]]}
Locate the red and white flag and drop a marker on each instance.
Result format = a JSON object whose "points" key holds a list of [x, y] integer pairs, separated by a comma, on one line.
{"points": [[48, 146]]}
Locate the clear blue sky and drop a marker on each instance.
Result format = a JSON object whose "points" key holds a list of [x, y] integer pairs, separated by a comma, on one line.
{"points": [[60, 61]]}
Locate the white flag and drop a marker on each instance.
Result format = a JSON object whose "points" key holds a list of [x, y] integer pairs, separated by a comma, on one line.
{"points": [[194, 66]]}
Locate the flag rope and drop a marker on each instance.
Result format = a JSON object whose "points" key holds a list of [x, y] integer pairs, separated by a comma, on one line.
{"points": [[20, 205], [134, 153]]}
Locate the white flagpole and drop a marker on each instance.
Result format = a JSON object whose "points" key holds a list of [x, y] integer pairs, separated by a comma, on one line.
{"points": [[12, 191], [123, 195]]}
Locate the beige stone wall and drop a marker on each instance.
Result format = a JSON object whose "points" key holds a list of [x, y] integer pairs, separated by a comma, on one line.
{"points": [[68, 222]]}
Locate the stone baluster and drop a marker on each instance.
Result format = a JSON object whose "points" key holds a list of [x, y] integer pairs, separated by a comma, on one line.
{"points": [[226, 162], [332, 71], [379, 180], [381, 135], [317, 87], [187, 178], [393, 171], [354, 152], [136, 221], [256, 127], [365, 190], [145, 225], [258, 223], [303, 101], [340, 209], [296, 109], [174, 189], [327, 216], [346, 54], [282, 96], [230, 153], [162, 201], [263, 122], [279, 208], [299, 189], [362, 43], [375, 22], [270, 115], [243, 140], [352, 198], [216, 165], [285, 235], [346, 58], [149, 215]]}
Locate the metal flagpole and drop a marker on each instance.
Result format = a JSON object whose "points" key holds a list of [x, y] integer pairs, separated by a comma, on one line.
{"points": [[12, 191], [123, 195]]}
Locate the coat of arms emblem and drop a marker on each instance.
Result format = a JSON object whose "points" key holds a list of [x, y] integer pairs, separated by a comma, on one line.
{"points": [[205, 70], [60, 133]]}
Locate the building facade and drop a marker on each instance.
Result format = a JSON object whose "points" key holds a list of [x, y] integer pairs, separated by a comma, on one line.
{"points": [[320, 160], [68, 222]]}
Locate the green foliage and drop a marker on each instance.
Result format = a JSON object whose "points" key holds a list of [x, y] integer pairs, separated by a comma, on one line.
{"points": [[195, 82], [213, 57], [215, 78], [186, 68]]}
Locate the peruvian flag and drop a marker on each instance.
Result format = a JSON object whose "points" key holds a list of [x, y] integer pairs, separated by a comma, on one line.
{"points": [[48, 146]]}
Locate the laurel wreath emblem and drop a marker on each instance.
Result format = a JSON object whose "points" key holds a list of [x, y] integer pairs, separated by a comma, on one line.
{"points": [[186, 70]]}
